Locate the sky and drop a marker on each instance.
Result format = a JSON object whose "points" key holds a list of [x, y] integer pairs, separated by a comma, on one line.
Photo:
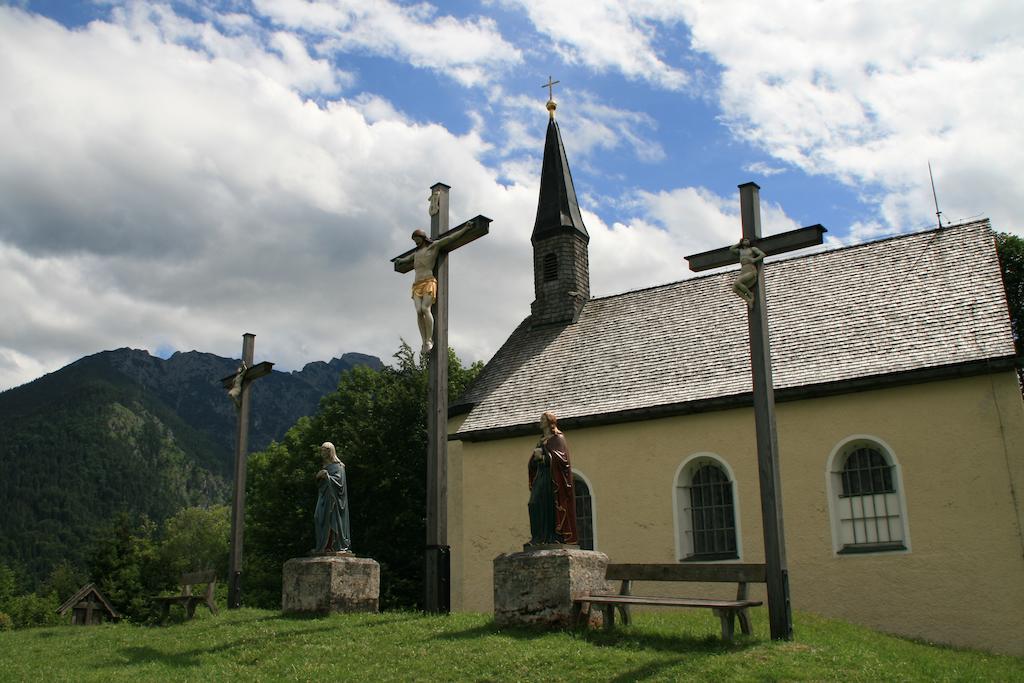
{"points": [[174, 174]]}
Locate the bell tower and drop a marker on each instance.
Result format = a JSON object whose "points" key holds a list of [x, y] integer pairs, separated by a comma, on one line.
{"points": [[561, 263]]}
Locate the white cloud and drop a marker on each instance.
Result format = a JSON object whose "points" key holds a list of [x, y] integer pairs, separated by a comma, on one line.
{"points": [[868, 92], [651, 248], [468, 50], [590, 124], [761, 168], [611, 34], [237, 39], [154, 193]]}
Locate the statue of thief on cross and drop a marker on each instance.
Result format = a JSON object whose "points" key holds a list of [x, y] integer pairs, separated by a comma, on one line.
{"points": [[424, 286], [745, 281]]}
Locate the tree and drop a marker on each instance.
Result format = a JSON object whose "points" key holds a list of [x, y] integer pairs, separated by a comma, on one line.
{"points": [[64, 581], [26, 611], [20, 608], [196, 539], [377, 421], [1011, 258], [124, 564], [8, 584]]}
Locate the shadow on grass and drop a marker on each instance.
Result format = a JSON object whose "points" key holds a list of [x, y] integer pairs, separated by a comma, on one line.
{"points": [[647, 670], [46, 633], [191, 658], [148, 655], [629, 637], [489, 629], [371, 620], [634, 638]]}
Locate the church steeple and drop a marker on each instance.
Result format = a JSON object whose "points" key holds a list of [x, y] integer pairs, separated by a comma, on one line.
{"points": [[561, 267]]}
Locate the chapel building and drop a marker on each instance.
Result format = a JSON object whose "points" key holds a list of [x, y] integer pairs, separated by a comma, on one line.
{"points": [[900, 427]]}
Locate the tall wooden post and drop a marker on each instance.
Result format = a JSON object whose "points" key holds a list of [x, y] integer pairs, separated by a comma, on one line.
{"points": [[238, 501], [437, 596], [779, 610], [248, 374], [437, 592]]}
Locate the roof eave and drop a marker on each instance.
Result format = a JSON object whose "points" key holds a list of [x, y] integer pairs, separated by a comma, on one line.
{"points": [[799, 393]]}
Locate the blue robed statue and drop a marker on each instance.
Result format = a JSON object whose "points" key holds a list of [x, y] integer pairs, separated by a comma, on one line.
{"points": [[331, 518]]}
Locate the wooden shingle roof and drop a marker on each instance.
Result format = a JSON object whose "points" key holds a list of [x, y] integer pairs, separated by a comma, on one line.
{"points": [[84, 592], [851, 317]]}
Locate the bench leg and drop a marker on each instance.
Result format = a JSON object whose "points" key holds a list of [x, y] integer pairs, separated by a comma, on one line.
{"points": [[744, 617], [577, 614], [624, 613], [727, 617], [609, 616], [190, 607]]}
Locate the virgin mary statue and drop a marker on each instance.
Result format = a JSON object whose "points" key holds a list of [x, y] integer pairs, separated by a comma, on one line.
{"points": [[331, 518]]}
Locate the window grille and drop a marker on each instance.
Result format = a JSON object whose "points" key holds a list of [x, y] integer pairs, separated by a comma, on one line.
{"points": [[866, 472], [869, 504], [584, 514], [550, 267], [712, 514]]}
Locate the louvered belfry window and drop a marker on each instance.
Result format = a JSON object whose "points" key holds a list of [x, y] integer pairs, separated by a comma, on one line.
{"points": [[550, 267], [712, 514]]}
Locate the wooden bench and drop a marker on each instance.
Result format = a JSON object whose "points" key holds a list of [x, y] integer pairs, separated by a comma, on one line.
{"points": [[189, 601], [728, 611]]}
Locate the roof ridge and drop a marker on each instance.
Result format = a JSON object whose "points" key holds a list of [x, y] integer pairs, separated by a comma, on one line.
{"points": [[845, 247]]}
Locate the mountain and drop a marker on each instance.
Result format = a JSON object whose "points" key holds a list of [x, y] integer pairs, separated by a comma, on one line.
{"points": [[124, 430], [189, 384]]}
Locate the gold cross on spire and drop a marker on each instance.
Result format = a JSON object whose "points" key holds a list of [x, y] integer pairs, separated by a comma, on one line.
{"points": [[550, 85]]}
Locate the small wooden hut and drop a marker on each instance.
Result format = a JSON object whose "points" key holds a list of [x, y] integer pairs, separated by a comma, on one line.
{"points": [[89, 607]]}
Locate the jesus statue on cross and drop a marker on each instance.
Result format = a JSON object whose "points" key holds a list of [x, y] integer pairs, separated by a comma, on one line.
{"points": [[424, 286]]}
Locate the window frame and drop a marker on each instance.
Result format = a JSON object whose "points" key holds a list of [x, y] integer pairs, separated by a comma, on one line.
{"points": [[837, 498], [682, 510], [593, 506]]}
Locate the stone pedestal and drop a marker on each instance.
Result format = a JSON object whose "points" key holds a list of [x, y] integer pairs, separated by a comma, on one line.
{"points": [[537, 587], [330, 583]]}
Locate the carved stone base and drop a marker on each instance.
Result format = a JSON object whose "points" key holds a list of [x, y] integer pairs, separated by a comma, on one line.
{"points": [[330, 583], [537, 587]]}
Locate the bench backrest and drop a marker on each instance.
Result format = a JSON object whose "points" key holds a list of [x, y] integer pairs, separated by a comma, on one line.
{"points": [[732, 573], [190, 579]]}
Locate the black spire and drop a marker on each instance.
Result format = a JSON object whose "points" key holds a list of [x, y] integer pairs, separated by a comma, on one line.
{"points": [[557, 208], [561, 261]]}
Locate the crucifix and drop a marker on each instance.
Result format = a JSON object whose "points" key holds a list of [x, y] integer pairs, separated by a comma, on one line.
{"points": [[239, 386], [749, 285], [550, 85], [429, 258]]}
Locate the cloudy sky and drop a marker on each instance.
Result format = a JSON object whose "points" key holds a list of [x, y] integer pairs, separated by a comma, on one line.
{"points": [[173, 174]]}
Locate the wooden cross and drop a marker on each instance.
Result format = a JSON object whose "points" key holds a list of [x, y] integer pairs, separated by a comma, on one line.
{"points": [[779, 611], [438, 557], [241, 382], [550, 85]]}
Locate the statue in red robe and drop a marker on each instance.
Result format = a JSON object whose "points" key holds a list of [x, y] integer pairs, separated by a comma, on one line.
{"points": [[552, 494]]}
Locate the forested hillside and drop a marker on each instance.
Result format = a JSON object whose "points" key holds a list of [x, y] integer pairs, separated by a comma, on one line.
{"points": [[126, 431]]}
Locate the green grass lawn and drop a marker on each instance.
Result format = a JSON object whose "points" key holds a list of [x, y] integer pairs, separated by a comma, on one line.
{"points": [[259, 645]]}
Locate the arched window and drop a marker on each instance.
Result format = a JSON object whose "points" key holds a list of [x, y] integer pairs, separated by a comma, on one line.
{"points": [[584, 513], [868, 511], [550, 267], [705, 511]]}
